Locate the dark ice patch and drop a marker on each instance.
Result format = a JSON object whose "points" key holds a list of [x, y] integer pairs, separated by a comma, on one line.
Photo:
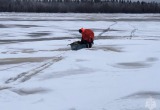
{"points": [[24, 91], [139, 64], [24, 26], [132, 65], [3, 26], [143, 94], [152, 59], [17, 26], [38, 34], [108, 48], [4, 87], [7, 61]]}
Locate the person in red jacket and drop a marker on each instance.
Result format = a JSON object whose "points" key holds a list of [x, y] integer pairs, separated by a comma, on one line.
{"points": [[87, 37]]}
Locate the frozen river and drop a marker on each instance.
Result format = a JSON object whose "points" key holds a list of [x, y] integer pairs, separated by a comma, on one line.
{"points": [[39, 71]]}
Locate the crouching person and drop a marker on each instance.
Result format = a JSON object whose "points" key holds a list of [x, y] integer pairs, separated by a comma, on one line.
{"points": [[86, 40], [87, 37]]}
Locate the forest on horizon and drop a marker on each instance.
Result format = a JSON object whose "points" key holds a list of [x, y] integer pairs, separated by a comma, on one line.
{"points": [[77, 6]]}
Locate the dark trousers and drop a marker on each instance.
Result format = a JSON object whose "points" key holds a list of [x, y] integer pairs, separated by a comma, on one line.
{"points": [[88, 44]]}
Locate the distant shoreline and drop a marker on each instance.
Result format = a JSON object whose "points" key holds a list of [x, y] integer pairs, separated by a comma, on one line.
{"points": [[92, 6]]}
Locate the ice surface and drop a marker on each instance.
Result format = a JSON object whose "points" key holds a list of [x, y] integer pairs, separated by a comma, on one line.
{"points": [[39, 71]]}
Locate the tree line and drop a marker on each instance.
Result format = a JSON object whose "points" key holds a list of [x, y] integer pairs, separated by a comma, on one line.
{"points": [[79, 6]]}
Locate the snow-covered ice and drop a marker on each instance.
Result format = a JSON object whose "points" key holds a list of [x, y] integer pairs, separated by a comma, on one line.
{"points": [[39, 71]]}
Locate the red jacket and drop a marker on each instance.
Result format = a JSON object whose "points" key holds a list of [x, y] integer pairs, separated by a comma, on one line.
{"points": [[87, 35]]}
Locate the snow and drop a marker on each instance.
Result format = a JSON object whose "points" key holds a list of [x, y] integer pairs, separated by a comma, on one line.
{"points": [[39, 71]]}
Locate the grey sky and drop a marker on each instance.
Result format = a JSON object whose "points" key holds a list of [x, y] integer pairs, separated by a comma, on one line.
{"points": [[147, 0]]}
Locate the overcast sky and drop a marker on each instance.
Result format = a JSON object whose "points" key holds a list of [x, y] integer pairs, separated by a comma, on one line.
{"points": [[147, 0]]}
